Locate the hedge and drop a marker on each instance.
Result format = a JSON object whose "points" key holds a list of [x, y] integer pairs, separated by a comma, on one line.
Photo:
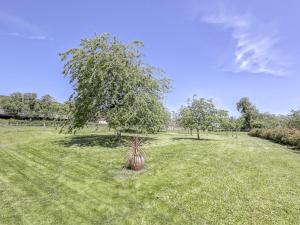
{"points": [[279, 135], [15, 122]]}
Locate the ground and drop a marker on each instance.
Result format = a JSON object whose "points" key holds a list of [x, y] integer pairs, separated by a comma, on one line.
{"points": [[52, 178]]}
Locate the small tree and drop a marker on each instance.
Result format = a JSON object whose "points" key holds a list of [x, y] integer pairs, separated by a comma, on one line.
{"points": [[199, 115], [223, 119], [111, 81], [185, 118], [173, 120], [46, 107], [31, 104], [14, 105], [294, 119], [248, 111]]}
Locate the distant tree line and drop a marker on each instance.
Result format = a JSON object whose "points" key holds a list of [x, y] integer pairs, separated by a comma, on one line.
{"points": [[28, 106], [198, 114], [252, 118], [201, 114], [278, 128]]}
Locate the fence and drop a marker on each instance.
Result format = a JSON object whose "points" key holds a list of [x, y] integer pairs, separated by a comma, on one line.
{"points": [[48, 123]]}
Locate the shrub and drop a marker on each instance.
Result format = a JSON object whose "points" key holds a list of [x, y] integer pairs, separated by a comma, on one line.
{"points": [[279, 135], [15, 122]]}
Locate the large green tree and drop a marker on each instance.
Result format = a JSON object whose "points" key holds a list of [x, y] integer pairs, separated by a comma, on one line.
{"points": [[111, 81]]}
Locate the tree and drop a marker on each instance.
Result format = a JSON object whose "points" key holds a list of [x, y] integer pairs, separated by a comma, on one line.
{"points": [[223, 119], [111, 81], [31, 104], [27, 105], [268, 120], [199, 115], [185, 118], [173, 121], [248, 111], [14, 104], [46, 106], [294, 119]]}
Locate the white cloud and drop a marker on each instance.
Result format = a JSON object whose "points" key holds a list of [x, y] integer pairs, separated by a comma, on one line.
{"points": [[256, 44], [32, 37], [14, 26]]}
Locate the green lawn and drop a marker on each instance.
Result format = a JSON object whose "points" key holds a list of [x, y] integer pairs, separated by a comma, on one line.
{"points": [[51, 178]]}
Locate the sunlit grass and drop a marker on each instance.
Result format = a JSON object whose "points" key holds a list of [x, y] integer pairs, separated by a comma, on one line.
{"points": [[51, 178]]}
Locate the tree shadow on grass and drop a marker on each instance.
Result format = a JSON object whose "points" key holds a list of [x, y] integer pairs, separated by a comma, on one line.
{"points": [[193, 139], [294, 149], [108, 141]]}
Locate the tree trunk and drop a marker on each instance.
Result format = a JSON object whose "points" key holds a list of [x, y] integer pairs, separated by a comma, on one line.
{"points": [[191, 132], [198, 134]]}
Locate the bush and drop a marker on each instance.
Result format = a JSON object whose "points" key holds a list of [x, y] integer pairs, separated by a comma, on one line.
{"points": [[15, 122], [279, 135]]}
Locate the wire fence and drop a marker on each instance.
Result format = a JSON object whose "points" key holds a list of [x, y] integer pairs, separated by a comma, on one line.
{"points": [[47, 123], [96, 126]]}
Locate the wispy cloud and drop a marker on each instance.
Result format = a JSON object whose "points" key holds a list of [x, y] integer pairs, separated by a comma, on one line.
{"points": [[30, 37], [256, 48], [11, 25]]}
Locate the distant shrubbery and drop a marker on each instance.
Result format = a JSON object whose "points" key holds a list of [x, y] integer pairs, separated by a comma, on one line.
{"points": [[16, 122], [28, 106], [283, 129], [48, 123], [285, 136]]}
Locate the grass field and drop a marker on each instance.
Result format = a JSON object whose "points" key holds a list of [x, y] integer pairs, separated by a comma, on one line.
{"points": [[51, 178]]}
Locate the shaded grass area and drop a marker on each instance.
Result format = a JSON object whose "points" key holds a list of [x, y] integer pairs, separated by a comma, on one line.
{"points": [[101, 140], [51, 178]]}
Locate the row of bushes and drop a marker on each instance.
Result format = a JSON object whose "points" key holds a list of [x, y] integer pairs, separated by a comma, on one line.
{"points": [[15, 122], [47, 123], [279, 135]]}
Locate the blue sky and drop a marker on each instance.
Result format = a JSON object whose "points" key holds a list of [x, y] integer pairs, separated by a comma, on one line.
{"points": [[216, 49]]}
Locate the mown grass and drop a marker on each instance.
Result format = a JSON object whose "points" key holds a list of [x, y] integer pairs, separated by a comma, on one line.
{"points": [[51, 178]]}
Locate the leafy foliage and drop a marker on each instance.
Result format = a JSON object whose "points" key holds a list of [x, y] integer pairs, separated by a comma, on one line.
{"points": [[46, 105], [279, 135], [27, 105], [200, 114], [111, 81], [294, 119], [268, 120], [14, 105], [248, 111]]}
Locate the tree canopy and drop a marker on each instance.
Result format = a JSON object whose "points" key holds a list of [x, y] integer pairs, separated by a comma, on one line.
{"points": [[248, 111], [294, 119], [28, 105], [111, 81], [199, 114]]}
